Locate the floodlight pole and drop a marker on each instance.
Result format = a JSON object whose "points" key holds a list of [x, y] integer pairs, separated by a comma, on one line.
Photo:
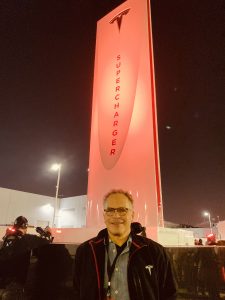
{"points": [[210, 223], [56, 208]]}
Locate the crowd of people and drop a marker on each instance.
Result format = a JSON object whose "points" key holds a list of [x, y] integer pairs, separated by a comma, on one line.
{"points": [[210, 241]]}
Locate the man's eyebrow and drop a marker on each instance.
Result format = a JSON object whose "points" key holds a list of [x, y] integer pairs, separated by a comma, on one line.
{"points": [[117, 207]]}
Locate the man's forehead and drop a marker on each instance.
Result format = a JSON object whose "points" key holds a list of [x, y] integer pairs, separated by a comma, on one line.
{"points": [[118, 199]]}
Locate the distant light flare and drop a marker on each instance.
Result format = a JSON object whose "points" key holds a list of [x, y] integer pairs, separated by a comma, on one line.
{"points": [[55, 167]]}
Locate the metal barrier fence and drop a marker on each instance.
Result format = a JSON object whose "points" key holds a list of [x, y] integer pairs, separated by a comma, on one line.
{"points": [[199, 272]]}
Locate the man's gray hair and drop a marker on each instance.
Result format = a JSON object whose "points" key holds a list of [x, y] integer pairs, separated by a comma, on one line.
{"points": [[126, 194]]}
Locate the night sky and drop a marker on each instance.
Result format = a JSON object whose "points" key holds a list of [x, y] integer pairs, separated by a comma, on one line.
{"points": [[46, 78]]}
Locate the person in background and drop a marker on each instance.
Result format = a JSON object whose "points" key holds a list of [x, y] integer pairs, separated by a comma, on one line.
{"points": [[195, 242], [200, 243], [137, 228], [118, 264], [211, 240], [15, 257]]}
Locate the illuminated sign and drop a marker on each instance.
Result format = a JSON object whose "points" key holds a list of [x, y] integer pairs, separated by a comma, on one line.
{"points": [[116, 87], [124, 145]]}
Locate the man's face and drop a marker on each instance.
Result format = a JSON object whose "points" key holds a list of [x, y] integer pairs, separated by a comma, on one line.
{"points": [[117, 224]]}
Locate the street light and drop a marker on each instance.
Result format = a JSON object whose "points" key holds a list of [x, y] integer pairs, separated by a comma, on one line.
{"points": [[56, 167], [210, 223]]}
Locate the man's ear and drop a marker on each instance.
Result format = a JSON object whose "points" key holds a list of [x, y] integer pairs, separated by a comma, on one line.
{"points": [[132, 215], [103, 216]]}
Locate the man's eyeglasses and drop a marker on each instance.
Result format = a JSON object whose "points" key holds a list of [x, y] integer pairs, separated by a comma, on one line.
{"points": [[122, 211]]}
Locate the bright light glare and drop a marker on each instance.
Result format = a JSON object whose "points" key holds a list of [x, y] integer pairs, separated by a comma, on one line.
{"points": [[47, 208], [206, 213], [55, 167]]}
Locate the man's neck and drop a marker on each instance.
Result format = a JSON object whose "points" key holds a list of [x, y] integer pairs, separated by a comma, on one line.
{"points": [[118, 240]]}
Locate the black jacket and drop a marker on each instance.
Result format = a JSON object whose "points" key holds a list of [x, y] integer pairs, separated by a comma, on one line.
{"points": [[15, 257], [89, 270]]}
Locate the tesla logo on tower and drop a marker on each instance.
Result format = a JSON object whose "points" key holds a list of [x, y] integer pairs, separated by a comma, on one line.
{"points": [[116, 83], [119, 18]]}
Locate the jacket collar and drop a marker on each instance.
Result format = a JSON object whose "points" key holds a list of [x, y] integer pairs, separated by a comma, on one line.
{"points": [[102, 238]]}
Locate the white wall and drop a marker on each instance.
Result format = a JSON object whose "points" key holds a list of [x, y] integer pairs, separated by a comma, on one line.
{"points": [[221, 230], [73, 212], [38, 209], [203, 232], [175, 237]]}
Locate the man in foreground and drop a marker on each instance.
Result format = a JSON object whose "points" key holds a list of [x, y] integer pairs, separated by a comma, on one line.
{"points": [[120, 265]]}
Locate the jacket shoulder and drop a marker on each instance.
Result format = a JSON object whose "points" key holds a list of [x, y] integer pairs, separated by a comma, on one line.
{"points": [[86, 244], [153, 246], [95, 240]]}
